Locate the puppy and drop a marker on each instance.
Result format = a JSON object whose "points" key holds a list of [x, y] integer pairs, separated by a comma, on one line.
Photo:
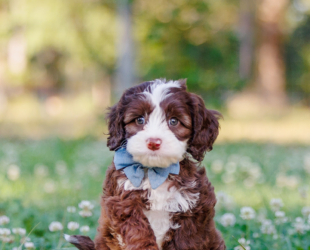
{"points": [[156, 196]]}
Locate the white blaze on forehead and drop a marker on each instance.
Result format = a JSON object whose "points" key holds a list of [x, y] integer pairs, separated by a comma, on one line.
{"points": [[158, 91]]}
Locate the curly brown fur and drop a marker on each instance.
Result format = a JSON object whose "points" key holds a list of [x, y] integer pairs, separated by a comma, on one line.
{"points": [[125, 210], [122, 213]]}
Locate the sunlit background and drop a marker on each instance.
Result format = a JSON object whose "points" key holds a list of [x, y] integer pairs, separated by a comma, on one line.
{"points": [[62, 63]]}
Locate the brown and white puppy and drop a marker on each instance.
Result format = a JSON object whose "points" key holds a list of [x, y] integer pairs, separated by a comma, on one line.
{"points": [[160, 124]]}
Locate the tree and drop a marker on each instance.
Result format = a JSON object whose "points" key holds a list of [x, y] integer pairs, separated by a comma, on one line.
{"points": [[125, 76], [270, 78]]}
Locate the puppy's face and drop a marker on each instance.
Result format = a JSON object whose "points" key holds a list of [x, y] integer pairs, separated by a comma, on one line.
{"points": [[158, 125], [160, 121]]}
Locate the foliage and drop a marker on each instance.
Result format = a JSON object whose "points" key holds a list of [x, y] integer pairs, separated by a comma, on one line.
{"points": [[189, 39], [72, 44], [40, 179]]}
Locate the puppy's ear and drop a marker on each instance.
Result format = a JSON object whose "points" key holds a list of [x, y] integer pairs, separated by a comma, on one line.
{"points": [[116, 127], [182, 83], [116, 114], [205, 128]]}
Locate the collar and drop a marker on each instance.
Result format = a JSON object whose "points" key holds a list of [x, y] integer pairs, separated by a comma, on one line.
{"points": [[135, 170]]}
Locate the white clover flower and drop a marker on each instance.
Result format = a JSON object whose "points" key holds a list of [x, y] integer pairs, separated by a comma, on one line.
{"points": [[19, 231], [72, 225], [5, 235], [280, 217], [276, 204], [245, 162], [243, 241], [29, 245], [5, 231], [4, 220], [267, 227], [261, 215], [249, 182], [231, 167], [255, 170], [15, 248], [227, 178], [281, 180], [275, 236], [256, 235], [305, 211], [71, 209], [24, 239], [217, 166], [247, 213], [85, 213], [299, 226], [292, 181], [242, 248], [84, 229], [280, 214], [61, 168], [7, 238], [224, 200], [41, 170], [221, 196], [13, 172], [245, 244], [55, 226], [49, 186], [86, 205], [228, 219], [299, 220]]}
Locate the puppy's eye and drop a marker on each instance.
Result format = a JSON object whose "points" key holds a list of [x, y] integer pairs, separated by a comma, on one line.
{"points": [[140, 120], [173, 121]]}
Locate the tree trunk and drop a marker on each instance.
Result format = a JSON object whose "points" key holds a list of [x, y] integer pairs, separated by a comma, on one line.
{"points": [[246, 34], [270, 79], [125, 76]]}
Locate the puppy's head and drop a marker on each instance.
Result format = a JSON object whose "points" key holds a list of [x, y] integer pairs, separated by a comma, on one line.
{"points": [[160, 121]]}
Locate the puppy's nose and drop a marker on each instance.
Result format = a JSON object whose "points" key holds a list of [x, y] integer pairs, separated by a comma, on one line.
{"points": [[153, 143]]}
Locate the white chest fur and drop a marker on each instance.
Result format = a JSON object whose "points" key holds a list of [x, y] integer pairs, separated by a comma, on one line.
{"points": [[163, 202], [160, 223]]}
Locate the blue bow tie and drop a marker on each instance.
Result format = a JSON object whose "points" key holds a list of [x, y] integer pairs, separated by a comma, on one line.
{"points": [[135, 170]]}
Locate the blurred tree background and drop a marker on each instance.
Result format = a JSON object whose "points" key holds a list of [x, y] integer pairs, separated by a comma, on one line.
{"points": [[62, 62]]}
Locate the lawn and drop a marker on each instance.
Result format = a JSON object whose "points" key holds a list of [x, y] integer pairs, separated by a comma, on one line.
{"points": [[262, 191]]}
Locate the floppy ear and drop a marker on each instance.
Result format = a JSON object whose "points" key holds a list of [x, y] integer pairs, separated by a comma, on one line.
{"points": [[116, 127], [205, 128], [115, 116]]}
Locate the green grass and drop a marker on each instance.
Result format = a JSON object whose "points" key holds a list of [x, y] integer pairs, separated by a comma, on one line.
{"points": [[55, 173]]}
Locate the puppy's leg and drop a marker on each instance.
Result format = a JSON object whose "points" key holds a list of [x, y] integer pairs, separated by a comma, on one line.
{"points": [[192, 235], [101, 244], [129, 222]]}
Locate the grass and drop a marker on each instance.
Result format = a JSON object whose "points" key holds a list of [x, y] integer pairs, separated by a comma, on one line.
{"points": [[40, 179]]}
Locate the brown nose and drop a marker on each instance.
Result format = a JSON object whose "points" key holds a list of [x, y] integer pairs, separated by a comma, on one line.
{"points": [[153, 143]]}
